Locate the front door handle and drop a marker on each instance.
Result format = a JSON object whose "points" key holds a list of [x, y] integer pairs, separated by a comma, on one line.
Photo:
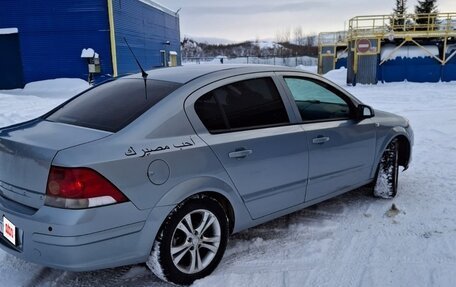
{"points": [[240, 153], [320, 140]]}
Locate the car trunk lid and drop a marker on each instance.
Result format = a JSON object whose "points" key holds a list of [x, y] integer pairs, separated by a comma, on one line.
{"points": [[26, 154]]}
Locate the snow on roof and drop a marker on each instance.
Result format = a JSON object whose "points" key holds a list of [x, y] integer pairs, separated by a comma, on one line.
{"points": [[409, 52], [89, 53], [173, 53], [4, 31], [451, 48], [342, 54], [160, 7]]}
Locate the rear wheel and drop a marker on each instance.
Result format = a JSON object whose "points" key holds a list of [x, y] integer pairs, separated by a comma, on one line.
{"points": [[191, 242], [388, 172]]}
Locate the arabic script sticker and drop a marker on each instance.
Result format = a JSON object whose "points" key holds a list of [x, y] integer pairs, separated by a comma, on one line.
{"points": [[158, 172]]}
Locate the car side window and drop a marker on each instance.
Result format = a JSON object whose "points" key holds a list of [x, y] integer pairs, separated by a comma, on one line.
{"points": [[242, 105], [317, 101]]}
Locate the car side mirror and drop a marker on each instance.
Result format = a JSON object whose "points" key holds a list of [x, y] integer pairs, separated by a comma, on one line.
{"points": [[365, 112]]}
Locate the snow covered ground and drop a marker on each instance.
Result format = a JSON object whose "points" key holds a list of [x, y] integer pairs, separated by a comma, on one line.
{"points": [[351, 240], [36, 99]]}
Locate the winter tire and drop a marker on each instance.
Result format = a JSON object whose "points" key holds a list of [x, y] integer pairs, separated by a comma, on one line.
{"points": [[191, 242], [388, 172]]}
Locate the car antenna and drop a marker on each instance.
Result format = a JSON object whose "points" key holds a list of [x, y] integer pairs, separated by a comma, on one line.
{"points": [[143, 73]]}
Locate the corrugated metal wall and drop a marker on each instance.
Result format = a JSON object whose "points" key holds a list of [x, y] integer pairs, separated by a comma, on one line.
{"points": [[367, 69], [146, 29], [327, 64], [449, 70], [53, 33], [420, 70]]}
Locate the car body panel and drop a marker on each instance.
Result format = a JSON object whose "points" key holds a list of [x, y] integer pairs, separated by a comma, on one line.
{"points": [[86, 237], [389, 127], [166, 156], [274, 176], [26, 154], [346, 159]]}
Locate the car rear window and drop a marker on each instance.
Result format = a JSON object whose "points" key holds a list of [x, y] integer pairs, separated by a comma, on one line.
{"points": [[113, 105]]}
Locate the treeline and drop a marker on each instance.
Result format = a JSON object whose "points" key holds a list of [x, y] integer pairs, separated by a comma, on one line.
{"points": [[193, 49]]}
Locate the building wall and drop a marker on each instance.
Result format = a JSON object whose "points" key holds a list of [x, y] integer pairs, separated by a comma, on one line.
{"points": [[11, 75], [54, 32], [449, 70], [146, 29], [367, 69], [419, 70], [410, 63], [341, 63]]}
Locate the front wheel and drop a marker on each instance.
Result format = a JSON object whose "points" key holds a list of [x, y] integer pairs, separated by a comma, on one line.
{"points": [[388, 172], [191, 242]]}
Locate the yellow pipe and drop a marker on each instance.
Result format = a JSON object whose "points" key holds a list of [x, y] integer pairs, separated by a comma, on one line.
{"points": [[450, 57], [445, 50], [112, 35]]}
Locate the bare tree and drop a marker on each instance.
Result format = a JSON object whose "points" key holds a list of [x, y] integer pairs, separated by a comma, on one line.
{"points": [[298, 36], [278, 36], [311, 40], [287, 35], [283, 36]]}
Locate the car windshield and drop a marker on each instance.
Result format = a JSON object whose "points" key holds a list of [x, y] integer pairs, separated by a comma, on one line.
{"points": [[113, 105]]}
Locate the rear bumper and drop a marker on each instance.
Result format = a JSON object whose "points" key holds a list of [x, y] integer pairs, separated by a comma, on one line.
{"points": [[82, 240]]}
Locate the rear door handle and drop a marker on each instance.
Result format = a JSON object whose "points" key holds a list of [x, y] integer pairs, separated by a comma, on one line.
{"points": [[240, 153], [320, 140]]}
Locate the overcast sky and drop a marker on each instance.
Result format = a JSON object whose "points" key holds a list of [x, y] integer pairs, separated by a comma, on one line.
{"points": [[239, 20]]}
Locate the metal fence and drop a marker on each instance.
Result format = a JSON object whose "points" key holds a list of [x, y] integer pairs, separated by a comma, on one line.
{"points": [[278, 61]]}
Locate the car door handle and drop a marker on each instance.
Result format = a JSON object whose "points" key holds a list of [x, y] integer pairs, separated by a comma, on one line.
{"points": [[241, 153], [320, 140]]}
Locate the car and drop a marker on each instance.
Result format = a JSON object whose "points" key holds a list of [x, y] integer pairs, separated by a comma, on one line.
{"points": [[161, 168]]}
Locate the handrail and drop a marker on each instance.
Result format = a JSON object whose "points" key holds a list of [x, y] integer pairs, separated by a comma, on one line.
{"points": [[439, 23]]}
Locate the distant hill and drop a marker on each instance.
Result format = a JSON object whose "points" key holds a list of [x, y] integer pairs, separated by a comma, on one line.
{"points": [[211, 40], [194, 49]]}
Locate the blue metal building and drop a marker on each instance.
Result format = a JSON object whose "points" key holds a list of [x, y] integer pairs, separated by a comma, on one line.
{"points": [[449, 70], [51, 35], [408, 65]]}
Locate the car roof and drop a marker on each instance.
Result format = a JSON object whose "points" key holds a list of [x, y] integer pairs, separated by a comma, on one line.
{"points": [[187, 73]]}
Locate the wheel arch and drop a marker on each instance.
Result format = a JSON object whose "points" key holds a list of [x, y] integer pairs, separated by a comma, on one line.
{"points": [[225, 203], [404, 151], [405, 148], [214, 188]]}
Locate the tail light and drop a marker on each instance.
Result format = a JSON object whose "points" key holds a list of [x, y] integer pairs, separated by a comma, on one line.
{"points": [[76, 188]]}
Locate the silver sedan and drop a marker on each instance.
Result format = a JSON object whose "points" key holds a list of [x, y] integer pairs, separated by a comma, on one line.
{"points": [[162, 169]]}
